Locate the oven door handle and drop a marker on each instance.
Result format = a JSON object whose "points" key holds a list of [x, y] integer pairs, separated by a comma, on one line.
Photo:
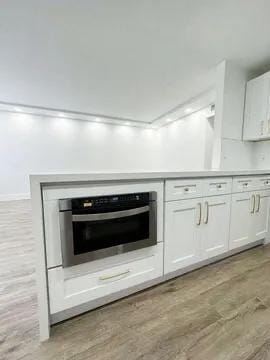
{"points": [[110, 215]]}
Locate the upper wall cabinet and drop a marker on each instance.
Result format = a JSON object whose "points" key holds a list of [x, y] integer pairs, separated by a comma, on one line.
{"points": [[257, 109]]}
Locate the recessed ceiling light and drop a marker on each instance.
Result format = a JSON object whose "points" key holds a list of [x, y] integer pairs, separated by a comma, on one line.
{"points": [[61, 114], [168, 120], [188, 110], [127, 123], [97, 119]]}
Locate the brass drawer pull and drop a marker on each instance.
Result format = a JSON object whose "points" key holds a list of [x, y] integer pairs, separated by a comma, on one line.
{"points": [[109, 277], [253, 201], [206, 205], [258, 202], [199, 214]]}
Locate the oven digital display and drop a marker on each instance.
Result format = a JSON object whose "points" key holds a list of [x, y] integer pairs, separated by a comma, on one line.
{"points": [[87, 204]]}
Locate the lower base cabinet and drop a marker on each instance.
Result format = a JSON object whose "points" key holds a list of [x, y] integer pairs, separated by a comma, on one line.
{"points": [[195, 230], [182, 234], [67, 291], [215, 226], [261, 215], [249, 218]]}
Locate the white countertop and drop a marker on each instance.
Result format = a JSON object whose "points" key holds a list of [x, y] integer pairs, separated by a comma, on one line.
{"points": [[52, 178]]}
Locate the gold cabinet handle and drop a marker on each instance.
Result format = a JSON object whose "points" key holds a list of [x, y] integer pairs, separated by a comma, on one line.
{"points": [[253, 201], [199, 214], [110, 277], [206, 207], [258, 202]]}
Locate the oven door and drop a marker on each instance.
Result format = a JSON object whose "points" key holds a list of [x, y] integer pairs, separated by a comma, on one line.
{"points": [[87, 237]]}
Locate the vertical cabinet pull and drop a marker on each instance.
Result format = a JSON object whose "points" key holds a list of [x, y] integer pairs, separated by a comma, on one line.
{"points": [[199, 214], [253, 200], [258, 202], [206, 207]]}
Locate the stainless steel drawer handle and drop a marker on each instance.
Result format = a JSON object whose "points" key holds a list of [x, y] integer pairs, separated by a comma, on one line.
{"points": [[110, 215], [186, 189], [110, 277]]}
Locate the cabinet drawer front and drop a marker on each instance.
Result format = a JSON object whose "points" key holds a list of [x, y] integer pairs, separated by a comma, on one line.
{"points": [[183, 189], [241, 184], [66, 291], [217, 186], [262, 182]]}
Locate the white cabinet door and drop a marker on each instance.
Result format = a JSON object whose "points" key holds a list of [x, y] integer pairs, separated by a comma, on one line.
{"points": [[215, 226], [241, 228], [261, 215], [182, 234], [256, 124]]}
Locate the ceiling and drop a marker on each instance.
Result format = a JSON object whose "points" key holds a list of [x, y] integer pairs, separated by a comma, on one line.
{"points": [[125, 58]]}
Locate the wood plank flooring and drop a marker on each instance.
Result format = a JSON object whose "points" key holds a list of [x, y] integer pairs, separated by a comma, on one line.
{"points": [[220, 312]]}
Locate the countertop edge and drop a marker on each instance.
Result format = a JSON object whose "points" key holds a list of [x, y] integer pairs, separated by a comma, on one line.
{"points": [[47, 179]]}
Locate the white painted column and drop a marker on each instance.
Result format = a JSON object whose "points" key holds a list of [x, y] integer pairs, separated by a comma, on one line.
{"points": [[229, 150], [41, 271]]}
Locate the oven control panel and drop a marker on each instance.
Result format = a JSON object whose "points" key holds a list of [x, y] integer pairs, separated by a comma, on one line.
{"points": [[87, 203]]}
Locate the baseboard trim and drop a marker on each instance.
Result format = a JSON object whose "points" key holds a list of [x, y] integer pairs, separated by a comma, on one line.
{"points": [[12, 197]]}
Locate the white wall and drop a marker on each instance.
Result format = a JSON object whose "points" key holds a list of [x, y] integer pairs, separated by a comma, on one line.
{"points": [[237, 155], [261, 154], [229, 150], [32, 144]]}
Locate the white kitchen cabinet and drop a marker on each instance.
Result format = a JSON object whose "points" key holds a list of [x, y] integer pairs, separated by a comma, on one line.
{"points": [[215, 226], [67, 289], [241, 219], [257, 109], [261, 215], [182, 234], [183, 189], [249, 218], [195, 230], [197, 188]]}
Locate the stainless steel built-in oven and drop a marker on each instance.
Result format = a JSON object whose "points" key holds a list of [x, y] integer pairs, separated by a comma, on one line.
{"points": [[96, 227]]}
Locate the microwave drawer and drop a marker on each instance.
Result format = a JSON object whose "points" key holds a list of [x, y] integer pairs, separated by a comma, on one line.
{"points": [[183, 189], [66, 292]]}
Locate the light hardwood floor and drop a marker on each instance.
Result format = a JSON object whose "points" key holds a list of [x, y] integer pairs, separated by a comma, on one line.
{"points": [[219, 312]]}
